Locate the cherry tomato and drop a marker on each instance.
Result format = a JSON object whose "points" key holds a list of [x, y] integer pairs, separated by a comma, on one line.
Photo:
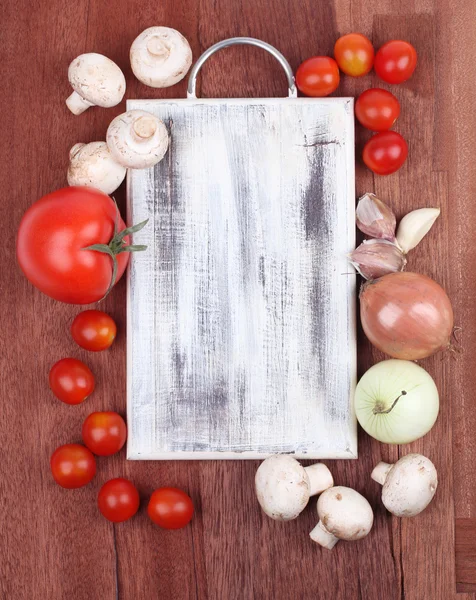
{"points": [[354, 54], [377, 109], [51, 240], [71, 381], [318, 76], [395, 61], [93, 330], [72, 466], [170, 508], [118, 500], [385, 152], [104, 433]]}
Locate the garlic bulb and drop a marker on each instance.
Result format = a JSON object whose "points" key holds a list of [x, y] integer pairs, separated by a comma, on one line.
{"points": [[414, 226]]}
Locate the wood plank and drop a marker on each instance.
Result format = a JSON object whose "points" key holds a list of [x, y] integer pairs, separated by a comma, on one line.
{"points": [[55, 545], [465, 555]]}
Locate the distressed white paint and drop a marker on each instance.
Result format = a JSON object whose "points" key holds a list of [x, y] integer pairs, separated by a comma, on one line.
{"points": [[241, 325]]}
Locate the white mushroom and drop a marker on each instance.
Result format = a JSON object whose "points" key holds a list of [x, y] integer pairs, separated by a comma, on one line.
{"points": [[408, 486], [283, 486], [137, 139], [344, 514], [96, 81], [160, 57], [93, 165]]}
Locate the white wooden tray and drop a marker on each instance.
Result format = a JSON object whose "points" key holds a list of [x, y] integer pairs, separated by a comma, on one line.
{"points": [[241, 325]]}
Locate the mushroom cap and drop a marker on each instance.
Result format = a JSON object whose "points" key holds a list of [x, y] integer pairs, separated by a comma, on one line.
{"points": [[92, 165], [137, 139], [160, 57], [282, 487], [97, 79], [345, 513], [410, 485]]}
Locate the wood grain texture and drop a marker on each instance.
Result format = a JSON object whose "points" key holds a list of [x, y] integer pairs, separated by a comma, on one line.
{"points": [[241, 314], [54, 543], [466, 555]]}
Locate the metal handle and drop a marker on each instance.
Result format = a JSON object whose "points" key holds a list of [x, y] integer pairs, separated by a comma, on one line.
{"points": [[192, 80]]}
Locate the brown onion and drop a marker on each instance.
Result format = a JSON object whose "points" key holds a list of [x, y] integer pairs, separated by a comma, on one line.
{"points": [[406, 315]]}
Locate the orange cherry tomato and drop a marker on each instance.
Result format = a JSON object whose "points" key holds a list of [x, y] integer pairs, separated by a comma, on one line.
{"points": [[170, 508], [354, 54], [72, 466], [395, 61], [104, 433], [118, 500], [318, 76], [385, 152], [93, 330], [71, 381]]}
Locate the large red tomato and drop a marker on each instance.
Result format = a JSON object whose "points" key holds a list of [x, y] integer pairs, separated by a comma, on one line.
{"points": [[52, 238]]}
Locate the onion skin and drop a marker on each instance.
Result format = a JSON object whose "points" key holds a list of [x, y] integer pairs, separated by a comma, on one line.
{"points": [[406, 315]]}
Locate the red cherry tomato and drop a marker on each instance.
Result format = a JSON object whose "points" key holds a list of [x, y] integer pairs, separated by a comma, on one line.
{"points": [[354, 54], [170, 508], [93, 330], [118, 500], [395, 61], [51, 240], [72, 466], [318, 76], [377, 109], [71, 381], [104, 433], [385, 152]]}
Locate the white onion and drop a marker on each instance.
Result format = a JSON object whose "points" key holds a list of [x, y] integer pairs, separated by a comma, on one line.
{"points": [[396, 402]]}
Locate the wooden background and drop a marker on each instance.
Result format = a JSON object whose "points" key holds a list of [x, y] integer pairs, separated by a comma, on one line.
{"points": [[54, 543]]}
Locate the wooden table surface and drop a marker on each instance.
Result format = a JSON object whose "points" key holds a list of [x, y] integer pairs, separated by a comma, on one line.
{"points": [[55, 545]]}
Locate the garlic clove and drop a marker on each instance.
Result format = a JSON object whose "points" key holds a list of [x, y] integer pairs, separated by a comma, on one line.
{"points": [[414, 226], [375, 218], [375, 258]]}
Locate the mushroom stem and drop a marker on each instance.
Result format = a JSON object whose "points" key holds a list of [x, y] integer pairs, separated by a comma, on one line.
{"points": [[76, 104], [321, 536], [320, 478], [75, 149], [379, 474], [156, 47], [144, 128]]}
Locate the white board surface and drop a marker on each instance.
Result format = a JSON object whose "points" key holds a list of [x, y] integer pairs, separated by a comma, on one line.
{"points": [[241, 313]]}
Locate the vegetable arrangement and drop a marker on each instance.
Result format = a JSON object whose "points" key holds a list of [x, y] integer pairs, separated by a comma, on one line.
{"points": [[408, 316], [73, 246], [104, 434], [376, 109]]}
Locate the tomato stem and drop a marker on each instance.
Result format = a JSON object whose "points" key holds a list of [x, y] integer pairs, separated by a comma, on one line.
{"points": [[117, 245]]}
